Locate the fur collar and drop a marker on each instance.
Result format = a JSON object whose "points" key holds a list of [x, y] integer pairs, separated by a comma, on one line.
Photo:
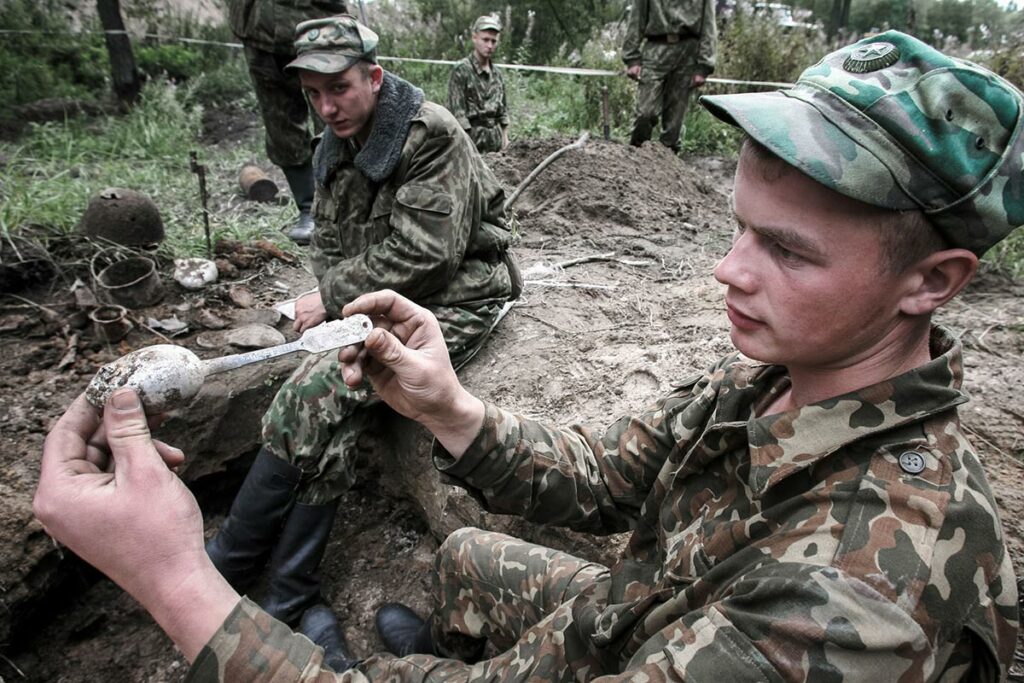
{"points": [[398, 102]]}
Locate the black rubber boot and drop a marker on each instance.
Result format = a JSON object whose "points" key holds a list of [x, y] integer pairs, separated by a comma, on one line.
{"points": [[321, 626], [300, 182], [293, 581], [403, 632], [240, 548]]}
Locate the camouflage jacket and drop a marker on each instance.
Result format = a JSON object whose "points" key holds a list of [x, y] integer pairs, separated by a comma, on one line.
{"points": [[852, 539], [415, 209], [831, 542], [270, 24], [685, 18], [475, 96]]}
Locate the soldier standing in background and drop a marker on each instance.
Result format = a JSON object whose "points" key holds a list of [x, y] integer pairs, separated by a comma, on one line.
{"points": [[669, 49], [267, 31], [476, 91]]}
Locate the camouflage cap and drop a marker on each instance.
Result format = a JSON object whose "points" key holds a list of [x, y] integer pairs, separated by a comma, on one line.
{"points": [[895, 123], [488, 22], [332, 44]]}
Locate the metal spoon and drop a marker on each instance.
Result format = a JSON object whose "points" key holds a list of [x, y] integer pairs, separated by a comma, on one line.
{"points": [[165, 376]]}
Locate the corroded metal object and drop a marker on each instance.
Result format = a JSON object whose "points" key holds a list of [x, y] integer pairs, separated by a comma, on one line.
{"points": [[166, 376], [123, 216]]}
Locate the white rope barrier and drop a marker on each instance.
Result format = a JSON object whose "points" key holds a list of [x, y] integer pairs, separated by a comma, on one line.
{"points": [[564, 70]]}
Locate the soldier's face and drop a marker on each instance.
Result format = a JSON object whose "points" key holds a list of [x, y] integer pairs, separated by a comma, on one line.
{"points": [[485, 43], [805, 284], [345, 101]]}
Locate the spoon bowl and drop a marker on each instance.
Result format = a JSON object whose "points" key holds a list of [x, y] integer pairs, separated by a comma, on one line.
{"points": [[163, 375]]}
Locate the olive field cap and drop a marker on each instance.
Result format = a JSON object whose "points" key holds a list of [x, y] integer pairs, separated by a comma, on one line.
{"points": [[897, 124], [332, 44], [488, 22]]}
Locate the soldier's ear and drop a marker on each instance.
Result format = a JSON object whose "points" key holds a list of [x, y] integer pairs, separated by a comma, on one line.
{"points": [[376, 77], [936, 279]]}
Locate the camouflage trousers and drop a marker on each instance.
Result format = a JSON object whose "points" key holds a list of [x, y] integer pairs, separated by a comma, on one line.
{"points": [[518, 595], [315, 419], [286, 116], [664, 91], [487, 138]]}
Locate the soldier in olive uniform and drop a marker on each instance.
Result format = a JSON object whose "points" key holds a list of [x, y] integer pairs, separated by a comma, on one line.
{"points": [[267, 31], [403, 201], [808, 509], [669, 49], [476, 91]]}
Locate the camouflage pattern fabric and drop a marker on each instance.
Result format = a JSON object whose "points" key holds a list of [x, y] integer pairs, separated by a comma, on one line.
{"points": [[830, 542], [476, 97], [315, 419], [893, 122], [432, 230], [671, 40], [333, 44], [270, 24], [664, 92], [286, 116]]}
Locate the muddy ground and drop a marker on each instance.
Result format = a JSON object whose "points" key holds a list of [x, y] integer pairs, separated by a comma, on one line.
{"points": [[588, 341]]}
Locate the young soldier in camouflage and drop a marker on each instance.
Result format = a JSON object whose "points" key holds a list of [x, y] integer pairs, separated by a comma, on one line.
{"points": [[808, 509], [476, 92], [267, 31], [669, 49], [403, 201]]}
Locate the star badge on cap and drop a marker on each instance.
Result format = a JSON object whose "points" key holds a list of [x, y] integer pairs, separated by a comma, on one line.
{"points": [[871, 57]]}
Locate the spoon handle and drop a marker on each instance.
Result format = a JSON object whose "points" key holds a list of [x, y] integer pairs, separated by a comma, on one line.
{"points": [[225, 363]]}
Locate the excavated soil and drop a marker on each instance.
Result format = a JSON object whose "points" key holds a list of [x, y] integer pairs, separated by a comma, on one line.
{"points": [[591, 339]]}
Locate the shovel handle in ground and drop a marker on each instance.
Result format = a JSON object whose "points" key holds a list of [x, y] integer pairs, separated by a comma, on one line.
{"points": [[324, 337]]}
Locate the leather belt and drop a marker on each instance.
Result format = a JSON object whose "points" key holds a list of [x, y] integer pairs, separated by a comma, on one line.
{"points": [[670, 38]]}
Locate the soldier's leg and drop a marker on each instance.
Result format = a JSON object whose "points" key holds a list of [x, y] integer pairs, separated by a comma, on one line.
{"points": [[312, 425], [649, 93], [486, 138], [676, 98], [286, 120], [495, 587], [283, 107], [522, 597]]}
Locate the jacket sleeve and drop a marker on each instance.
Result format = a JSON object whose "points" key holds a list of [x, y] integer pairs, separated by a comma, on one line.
{"points": [[429, 226], [503, 112], [457, 96], [574, 477], [708, 46], [633, 41]]}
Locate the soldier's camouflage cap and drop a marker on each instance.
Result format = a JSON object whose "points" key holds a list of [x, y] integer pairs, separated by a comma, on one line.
{"points": [[488, 22], [332, 44], [895, 123]]}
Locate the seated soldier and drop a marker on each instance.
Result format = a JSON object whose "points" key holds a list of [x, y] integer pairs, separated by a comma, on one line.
{"points": [[807, 509]]}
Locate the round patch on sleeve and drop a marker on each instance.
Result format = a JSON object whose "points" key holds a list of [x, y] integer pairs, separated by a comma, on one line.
{"points": [[911, 462]]}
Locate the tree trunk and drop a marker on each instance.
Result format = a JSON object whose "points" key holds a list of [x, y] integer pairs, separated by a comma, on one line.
{"points": [[127, 83]]}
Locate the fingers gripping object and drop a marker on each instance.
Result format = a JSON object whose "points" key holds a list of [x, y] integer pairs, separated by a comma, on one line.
{"points": [[166, 376]]}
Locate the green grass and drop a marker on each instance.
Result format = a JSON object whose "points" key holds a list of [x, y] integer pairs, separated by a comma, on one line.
{"points": [[53, 171]]}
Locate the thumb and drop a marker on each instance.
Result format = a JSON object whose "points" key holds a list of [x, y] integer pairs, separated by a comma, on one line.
{"points": [[128, 437]]}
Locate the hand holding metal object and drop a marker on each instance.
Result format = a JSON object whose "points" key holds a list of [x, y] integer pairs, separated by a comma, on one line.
{"points": [[166, 376]]}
